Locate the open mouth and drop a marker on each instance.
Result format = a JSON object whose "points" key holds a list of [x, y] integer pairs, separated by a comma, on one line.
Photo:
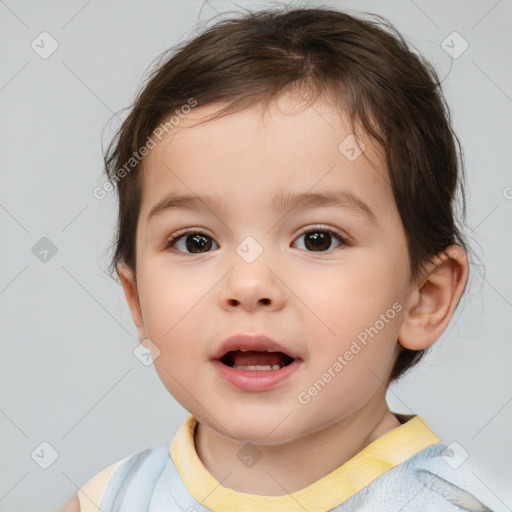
{"points": [[256, 360]]}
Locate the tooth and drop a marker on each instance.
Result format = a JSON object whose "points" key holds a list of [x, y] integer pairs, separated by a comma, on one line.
{"points": [[256, 367]]}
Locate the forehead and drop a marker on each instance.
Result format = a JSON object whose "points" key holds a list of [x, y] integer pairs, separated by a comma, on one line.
{"points": [[293, 145]]}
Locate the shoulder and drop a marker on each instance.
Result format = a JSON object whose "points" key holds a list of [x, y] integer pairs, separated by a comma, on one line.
{"points": [[138, 469], [431, 480], [73, 505], [446, 478], [91, 494]]}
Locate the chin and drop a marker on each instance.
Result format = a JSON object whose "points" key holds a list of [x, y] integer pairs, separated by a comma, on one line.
{"points": [[260, 429]]}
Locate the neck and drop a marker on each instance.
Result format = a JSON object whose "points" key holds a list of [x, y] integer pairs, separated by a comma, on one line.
{"points": [[282, 469]]}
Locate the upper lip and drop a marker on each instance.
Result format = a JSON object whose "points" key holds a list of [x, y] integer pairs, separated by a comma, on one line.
{"points": [[251, 342]]}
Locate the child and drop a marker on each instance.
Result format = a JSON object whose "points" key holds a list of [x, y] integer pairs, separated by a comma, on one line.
{"points": [[287, 247]]}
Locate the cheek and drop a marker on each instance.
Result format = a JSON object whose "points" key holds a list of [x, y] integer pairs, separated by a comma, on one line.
{"points": [[345, 372], [341, 302], [352, 313], [170, 313], [167, 297]]}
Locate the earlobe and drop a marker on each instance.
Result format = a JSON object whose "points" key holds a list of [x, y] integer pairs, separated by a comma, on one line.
{"points": [[129, 282], [433, 302]]}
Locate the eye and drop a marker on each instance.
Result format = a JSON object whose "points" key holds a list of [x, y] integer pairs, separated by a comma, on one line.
{"points": [[319, 238], [190, 240]]}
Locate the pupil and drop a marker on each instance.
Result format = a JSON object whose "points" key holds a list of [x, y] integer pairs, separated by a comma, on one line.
{"points": [[201, 242], [317, 239]]}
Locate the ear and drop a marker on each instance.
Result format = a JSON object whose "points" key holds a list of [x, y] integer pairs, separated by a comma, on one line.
{"points": [[433, 301], [129, 282]]}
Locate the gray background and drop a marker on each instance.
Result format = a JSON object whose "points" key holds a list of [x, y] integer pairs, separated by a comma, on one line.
{"points": [[67, 372]]}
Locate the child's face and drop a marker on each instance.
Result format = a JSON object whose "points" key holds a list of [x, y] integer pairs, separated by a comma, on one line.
{"points": [[314, 300]]}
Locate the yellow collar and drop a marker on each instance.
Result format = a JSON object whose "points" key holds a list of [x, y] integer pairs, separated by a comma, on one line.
{"points": [[383, 454]]}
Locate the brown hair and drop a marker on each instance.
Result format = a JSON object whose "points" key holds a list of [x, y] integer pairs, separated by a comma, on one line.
{"points": [[366, 65]]}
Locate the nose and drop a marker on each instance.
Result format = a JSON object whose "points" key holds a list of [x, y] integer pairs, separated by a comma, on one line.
{"points": [[251, 286]]}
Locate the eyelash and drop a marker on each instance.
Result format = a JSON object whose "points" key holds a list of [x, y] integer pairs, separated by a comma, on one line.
{"points": [[170, 242]]}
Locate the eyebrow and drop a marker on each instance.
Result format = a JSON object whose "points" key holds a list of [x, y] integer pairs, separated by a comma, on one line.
{"points": [[282, 202]]}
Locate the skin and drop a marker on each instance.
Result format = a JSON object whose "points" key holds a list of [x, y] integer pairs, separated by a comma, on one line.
{"points": [[314, 302]]}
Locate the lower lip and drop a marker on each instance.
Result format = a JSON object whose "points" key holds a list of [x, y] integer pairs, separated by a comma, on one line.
{"points": [[255, 380]]}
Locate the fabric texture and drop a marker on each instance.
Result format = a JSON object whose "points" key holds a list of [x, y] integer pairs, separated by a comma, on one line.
{"points": [[408, 469]]}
